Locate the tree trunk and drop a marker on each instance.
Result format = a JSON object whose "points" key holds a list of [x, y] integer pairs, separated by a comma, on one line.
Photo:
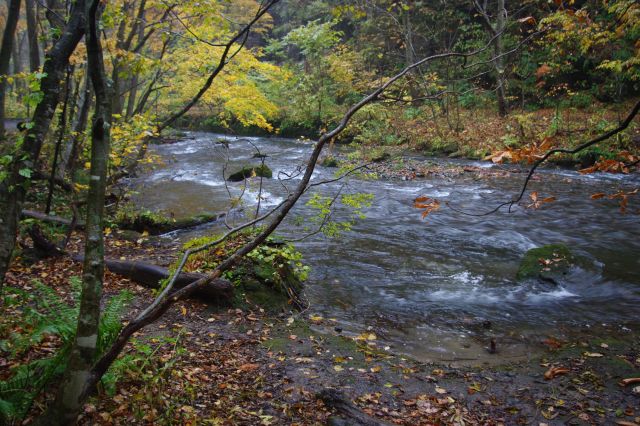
{"points": [[32, 35], [55, 13], [68, 402], [5, 58], [499, 59], [13, 188], [150, 275], [72, 152], [62, 126]]}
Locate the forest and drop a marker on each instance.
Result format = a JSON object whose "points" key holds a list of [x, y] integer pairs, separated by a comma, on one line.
{"points": [[341, 212]]}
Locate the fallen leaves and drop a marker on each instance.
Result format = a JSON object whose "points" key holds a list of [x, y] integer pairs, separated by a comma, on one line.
{"points": [[428, 205], [538, 202], [621, 195], [247, 368], [629, 381], [529, 154], [553, 372]]}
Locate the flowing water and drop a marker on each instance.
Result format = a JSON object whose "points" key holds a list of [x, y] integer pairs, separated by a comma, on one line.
{"points": [[438, 289]]}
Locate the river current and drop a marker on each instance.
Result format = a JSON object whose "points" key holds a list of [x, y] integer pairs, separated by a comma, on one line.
{"points": [[440, 288]]}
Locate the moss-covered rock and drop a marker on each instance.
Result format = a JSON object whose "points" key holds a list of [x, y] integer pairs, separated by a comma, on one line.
{"points": [[548, 263], [271, 276], [380, 157], [329, 161], [261, 170]]}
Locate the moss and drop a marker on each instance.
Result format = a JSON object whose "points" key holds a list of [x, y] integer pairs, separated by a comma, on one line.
{"points": [[546, 262], [329, 161], [268, 276], [381, 157], [261, 170], [157, 223]]}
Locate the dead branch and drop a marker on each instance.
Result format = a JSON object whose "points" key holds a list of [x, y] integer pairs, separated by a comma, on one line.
{"points": [[603, 137]]}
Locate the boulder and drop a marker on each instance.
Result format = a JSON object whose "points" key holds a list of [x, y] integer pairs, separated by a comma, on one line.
{"points": [[250, 171], [329, 161], [548, 263]]}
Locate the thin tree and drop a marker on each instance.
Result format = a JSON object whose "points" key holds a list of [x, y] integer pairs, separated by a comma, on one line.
{"points": [[32, 35], [83, 350], [13, 187], [6, 49]]}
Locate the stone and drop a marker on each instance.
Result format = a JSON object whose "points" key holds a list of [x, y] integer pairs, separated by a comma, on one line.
{"points": [[548, 263], [250, 171]]}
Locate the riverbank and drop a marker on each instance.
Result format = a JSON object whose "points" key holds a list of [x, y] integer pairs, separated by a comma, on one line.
{"points": [[200, 363], [474, 133]]}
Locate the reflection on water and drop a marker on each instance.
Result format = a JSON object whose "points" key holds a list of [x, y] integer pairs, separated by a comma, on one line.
{"points": [[437, 289]]}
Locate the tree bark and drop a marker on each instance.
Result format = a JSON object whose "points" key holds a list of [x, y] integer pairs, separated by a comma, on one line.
{"points": [[68, 402], [62, 126], [13, 188], [6, 50], [32, 35], [499, 61], [133, 92], [72, 152]]}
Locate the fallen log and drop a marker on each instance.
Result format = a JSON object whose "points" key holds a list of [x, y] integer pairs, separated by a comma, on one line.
{"points": [[334, 399], [64, 185], [41, 243], [51, 218], [157, 225], [138, 224], [220, 291]]}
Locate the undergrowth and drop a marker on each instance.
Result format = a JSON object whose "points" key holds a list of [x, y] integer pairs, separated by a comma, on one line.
{"points": [[36, 321]]}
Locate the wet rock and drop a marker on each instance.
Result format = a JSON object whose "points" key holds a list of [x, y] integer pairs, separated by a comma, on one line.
{"points": [[548, 263], [250, 171]]}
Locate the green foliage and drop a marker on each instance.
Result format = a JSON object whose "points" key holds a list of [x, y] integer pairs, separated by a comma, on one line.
{"points": [[353, 205], [269, 275], [269, 262], [45, 315]]}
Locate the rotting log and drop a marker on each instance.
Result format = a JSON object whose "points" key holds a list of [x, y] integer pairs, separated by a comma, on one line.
{"points": [[139, 224], [219, 291], [50, 218], [158, 226], [349, 414]]}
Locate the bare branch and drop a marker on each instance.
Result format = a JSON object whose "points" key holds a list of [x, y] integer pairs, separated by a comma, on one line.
{"points": [[623, 125]]}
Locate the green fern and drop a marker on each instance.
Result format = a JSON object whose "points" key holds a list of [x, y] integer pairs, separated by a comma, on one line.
{"points": [[45, 312], [110, 321]]}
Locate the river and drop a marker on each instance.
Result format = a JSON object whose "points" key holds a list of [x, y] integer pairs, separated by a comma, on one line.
{"points": [[438, 289]]}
